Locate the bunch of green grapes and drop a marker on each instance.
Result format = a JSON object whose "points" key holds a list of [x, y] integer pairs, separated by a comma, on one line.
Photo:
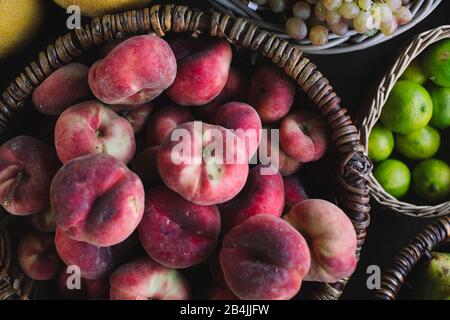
{"points": [[316, 18]]}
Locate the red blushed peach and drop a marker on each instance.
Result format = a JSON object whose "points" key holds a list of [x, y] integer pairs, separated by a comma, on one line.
{"points": [[264, 258], [97, 200], [175, 232], [136, 71], [202, 72], [27, 166], [331, 238], [144, 279], [203, 163], [271, 93], [263, 194], [236, 89], [144, 165], [43, 221], [271, 153], [163, 121], [108, 47], [137, 116], [91, 127], [245, 122], [293, 191], [94, 262], [37, 256], [304, 136], [63, 88], [97, 289]]}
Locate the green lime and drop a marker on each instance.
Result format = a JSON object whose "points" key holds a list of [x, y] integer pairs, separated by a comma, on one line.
{"points": [[415, 73], [441, 107], [432, 180], [420, 144], [394, 176], [436, 63], [408, 108], [381, 143]]}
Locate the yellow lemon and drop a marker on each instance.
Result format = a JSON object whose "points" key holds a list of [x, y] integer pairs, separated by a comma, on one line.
{"points": [[19, 22], [96, 8]]}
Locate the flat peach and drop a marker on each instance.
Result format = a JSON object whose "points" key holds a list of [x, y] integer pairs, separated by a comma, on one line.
{"points": [[175, 232], [206, 164], [134, 72], [144, 279], [92, 128], [97, 200], [331, 238], [264, 258]]}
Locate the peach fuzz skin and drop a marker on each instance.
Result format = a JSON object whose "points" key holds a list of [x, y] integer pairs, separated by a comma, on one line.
{"points": [[136, 71], [163, 121], [202, 72], [304, 136], [90, 127], [97, 200], [262, 194], [175, 232], [27, 166], [194, 176], [37, 256], [65, 87], [94, 262], [144, 279], [293, 191], [242, 118], [331, 238], [236, 89], [272, 93], [264, 258]]}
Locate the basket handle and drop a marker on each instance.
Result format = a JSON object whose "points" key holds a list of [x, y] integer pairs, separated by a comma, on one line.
{"points": [[354, 166], [431, 237]]}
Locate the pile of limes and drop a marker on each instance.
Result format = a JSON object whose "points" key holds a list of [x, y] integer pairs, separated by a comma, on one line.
{"points": [[414, 126]]}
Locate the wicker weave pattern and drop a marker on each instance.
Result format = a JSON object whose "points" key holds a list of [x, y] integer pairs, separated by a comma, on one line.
{"points": [[417, 46], [353, 165], [351, 41], [421, 246]]}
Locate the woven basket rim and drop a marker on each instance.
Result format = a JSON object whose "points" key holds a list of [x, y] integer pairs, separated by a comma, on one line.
{"points": [[338, 44], [419, 43], [420, 247], [352, 165]]}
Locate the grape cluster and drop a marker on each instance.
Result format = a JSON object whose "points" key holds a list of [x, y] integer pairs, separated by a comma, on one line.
{"points": [[316, 18]]}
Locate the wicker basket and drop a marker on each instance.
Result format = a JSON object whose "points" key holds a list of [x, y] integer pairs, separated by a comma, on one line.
{"points": [[353, 166], [418, 45], [352, 41], [426, 241]]}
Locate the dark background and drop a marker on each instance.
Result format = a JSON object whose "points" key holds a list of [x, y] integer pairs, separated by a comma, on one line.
{"points": [[353, 75]]}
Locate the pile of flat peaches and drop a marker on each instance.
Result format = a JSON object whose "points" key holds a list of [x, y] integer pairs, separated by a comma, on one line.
{"points": [[164, 159]]}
